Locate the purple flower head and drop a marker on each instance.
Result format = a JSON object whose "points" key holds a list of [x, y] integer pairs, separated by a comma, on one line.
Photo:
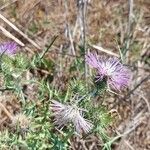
{"points": [[8, 48], [64, 114], [116, 74]]}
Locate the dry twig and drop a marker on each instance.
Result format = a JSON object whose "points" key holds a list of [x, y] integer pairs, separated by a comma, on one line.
{"points": [[9, 35], [6, 111], [19, 31], [104, 50]]}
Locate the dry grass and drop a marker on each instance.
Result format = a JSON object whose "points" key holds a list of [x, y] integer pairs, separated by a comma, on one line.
{"points": [[105, 23]]}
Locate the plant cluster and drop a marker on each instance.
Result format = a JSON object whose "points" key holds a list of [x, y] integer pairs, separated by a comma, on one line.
{"points": [[53, 116]]}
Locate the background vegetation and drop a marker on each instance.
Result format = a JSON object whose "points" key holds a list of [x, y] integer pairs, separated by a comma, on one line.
{"points": [[53, 36]]}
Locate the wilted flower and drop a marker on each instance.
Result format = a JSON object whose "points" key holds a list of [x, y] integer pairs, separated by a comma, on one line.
{"points": [[116, 74], [8, 48], [22, 121], [81, 124], [64, 114]]}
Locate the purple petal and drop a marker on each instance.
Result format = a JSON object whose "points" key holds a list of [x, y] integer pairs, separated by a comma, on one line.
{"points": [[92, 60], [8, 48], [118, 76]]}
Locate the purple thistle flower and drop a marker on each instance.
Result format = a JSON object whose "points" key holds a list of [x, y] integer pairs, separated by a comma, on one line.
{"points": [[81, 124], [116, 74], [8, 48], [64, 114]]}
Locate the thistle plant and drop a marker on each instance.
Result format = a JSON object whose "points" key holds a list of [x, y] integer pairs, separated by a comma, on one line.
{"points": [[57, 115], [67, 113], [8, 48]]}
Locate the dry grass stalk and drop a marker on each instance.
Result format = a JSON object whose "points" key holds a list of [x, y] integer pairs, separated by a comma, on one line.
{"points": [[19, 31], [104, 50], [7, 4], [6, 111], [9, 35]]}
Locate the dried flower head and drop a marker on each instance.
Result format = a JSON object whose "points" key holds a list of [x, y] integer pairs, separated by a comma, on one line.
{"points": [[21, 121], [64, 114], [8, 48], [116, 74]]}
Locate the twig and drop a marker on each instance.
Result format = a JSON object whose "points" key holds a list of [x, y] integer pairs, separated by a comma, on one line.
{"points": [[19, 31], [129, 145], [7, 4], [132, 91], [130, 20], [104, 50], [82, 4], [130, 127], [6, 111], [68, 28], [147, 102], [8, 34], [83, 14], [2, 120]]}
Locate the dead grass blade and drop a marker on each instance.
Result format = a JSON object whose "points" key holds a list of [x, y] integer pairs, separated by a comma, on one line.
{"points": [[7, 4], [104, 50], [19, 31], [6, 111], [9, 35]]}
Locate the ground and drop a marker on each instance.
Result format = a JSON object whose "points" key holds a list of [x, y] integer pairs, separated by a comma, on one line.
{"points": [[108, 24]]}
